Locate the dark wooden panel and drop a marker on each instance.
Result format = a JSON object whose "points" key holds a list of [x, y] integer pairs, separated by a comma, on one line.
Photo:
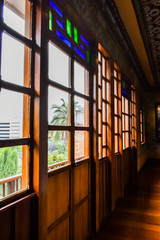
{"points": [[118, 162], [58, 196], [81, 183], [60, 232], [19, 220], [6, 225], [22, 220], [81, 222], [104, 188], [126, 156]]}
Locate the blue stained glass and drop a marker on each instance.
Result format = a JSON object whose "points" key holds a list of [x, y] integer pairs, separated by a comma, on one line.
{"points": [[63, 38], [60, 24], [56, 8], [82, 47], [124, 92], [84, 40], [79, 52]]}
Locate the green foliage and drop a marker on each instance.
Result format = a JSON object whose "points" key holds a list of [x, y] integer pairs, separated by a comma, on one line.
{"points": [[8, 162], [55, 158], [61, 148], [61, 157]]}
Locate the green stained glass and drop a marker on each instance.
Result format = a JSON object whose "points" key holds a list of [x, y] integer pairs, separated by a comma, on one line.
{"points": [[88, 56], [76, 35], [123, 85], [50, 21], [69, 31]]}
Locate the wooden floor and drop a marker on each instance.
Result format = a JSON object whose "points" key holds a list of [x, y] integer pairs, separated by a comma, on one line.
{"points": [[137, 216]]}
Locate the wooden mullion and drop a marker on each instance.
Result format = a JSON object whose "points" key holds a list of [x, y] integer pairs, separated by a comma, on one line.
{"points": [[59, 86], [59, 170], [71, 178], [82, 95], [81, 162], [105, 101], [59, 128], [5, 28], [32, 95], [77, 128], [81, 202], [58, 221], [14, 142], [14, 87]]}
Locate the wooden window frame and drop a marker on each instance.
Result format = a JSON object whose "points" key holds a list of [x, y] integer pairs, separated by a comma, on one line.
{"points": [[133, 118], [29, 41], [124, 115], [142, 126], [118, 115], [104, 103], [72, 128]]}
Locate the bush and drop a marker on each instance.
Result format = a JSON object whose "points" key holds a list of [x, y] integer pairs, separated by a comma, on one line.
{"points": [[52, 158], [8, 162], [61, 157]]}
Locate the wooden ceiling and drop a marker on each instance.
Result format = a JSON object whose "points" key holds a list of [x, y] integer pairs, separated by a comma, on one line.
{"points": [[142, 22], [148, 16], [136, 24]]}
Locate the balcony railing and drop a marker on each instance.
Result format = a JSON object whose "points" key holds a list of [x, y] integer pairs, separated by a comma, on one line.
{"points": [[14, 183], [10, 185]]}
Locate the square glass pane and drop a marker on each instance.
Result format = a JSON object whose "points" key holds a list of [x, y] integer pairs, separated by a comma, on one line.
{"points": [[115, 87], [15, 61], [99, 75], [116, 143], [115, 73], [108, 113], [103, 67], [14, 15], [59, 66], [104, 152], [104, 89], [116, 125], [104, 112], [119, 89], [99, 122], [99, 98], [99, 147], [126, 139], [81, 145], [58, 107], [14, 121], [108, 91], [81, 111], [123, 140], [13, 169], [81, 79], [104, 134], [122, 104], [58, 148], [126, 105], [115, 106], [126, 123]]}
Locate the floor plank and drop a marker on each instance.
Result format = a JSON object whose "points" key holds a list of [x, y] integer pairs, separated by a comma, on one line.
{"points": [[137, 215]]}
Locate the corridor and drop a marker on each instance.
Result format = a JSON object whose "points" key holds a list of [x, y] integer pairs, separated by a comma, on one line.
{"points": [[137, 216]]}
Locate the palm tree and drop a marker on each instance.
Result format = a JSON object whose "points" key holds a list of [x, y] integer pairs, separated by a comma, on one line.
{"points": [[60, 117]]}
